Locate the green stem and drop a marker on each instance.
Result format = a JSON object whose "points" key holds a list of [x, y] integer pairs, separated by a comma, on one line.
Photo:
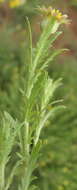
{"points": [[2, 168], [27, 137], [27, 177]]}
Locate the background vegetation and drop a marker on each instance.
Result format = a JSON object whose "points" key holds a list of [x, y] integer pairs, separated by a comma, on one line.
{"points": [[57, 167]]}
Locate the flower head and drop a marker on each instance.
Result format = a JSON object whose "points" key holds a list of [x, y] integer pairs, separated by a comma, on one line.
{"points": [[1, 1], [15, 3], [53, 13]]}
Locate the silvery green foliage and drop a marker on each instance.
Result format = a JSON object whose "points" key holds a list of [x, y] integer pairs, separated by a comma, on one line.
{"points": [[37, 96], [8, 131]]}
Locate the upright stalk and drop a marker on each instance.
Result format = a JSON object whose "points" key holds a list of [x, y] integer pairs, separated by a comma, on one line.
{"points": [[26, 138], [2, 181]]}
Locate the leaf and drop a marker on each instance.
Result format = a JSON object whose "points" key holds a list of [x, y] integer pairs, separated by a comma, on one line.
{"points": [[42, 48], [9, 130], [49, 114], [10, 178], [49, 88], [30, 37], [43, 121]]}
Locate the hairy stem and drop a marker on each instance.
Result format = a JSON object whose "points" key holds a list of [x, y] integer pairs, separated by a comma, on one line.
{"points": [[2, 168]]}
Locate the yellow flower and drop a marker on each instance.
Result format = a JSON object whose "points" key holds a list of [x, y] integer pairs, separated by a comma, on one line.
{"points": [[42, 164], [60, 188], [66, 183], [65, 170], [15, 3], [53, 13], [49, 107], [1, 1]]}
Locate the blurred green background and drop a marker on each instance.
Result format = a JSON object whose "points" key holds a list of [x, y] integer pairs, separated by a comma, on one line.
{"points": [[57, 166]]}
